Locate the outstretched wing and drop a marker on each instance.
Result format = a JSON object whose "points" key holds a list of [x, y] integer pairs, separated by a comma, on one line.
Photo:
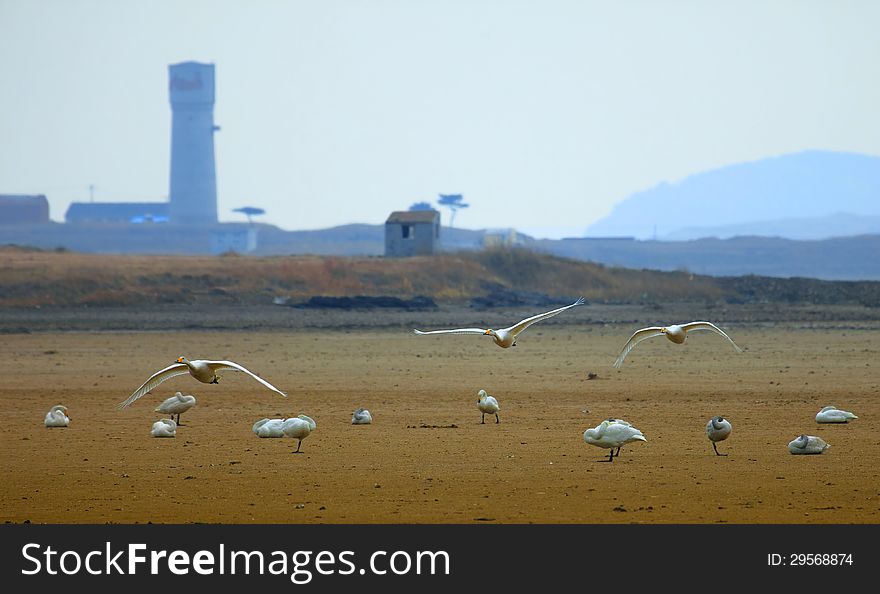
{"points": [[637, 337], [230, 365], [155, 379], [456, 331], [712, 328], [519, 327]]}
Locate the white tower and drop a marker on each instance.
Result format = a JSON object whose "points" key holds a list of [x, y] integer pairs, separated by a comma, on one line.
{"points": [[193, 193]]}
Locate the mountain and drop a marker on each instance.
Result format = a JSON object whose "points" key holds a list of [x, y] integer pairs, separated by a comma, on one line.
{"points": [[836, 225], [809, 184]]}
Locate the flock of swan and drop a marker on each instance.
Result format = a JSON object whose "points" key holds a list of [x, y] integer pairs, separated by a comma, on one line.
{"points": [[609, 434]]}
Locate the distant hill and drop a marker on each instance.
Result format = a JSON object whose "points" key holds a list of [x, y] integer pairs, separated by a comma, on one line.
{"points": [[805, 185], [836, 225], [842, 258]]}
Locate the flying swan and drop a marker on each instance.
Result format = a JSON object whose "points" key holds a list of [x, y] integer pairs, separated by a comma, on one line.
{"points": [[677, 333], [506, 337], [204, 371]]}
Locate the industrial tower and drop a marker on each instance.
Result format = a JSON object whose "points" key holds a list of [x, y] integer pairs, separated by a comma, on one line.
{"points": [[193, 192]]}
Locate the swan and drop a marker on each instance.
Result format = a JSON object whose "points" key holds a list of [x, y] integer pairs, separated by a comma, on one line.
{"points": [[269, 428], [57, 417], [830, 414], [621, 422], [506, 337], [677, 333], [164, 428], [487, 404], [807, 444], [718, 429], [612, 435], [299, 428], [178, 403], [204, 371], [361, 417]]}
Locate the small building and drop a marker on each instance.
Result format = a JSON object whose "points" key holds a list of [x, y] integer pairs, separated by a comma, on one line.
{"points": [[502, 238], [117, 212], [412, 233], [24, 209], [233, 238]]}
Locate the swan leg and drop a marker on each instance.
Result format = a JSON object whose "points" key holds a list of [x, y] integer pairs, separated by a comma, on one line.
{"points": [[717, 453], [610, 456], [179, 424], [497, 420], [216, 380], [482, 418], [618, 452], [297, 447]]}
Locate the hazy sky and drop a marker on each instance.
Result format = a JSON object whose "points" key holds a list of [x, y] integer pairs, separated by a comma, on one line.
{"points": [[543, 113]]}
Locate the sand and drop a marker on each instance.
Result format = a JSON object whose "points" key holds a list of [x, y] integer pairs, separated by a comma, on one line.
{"points": [[426, 458]]}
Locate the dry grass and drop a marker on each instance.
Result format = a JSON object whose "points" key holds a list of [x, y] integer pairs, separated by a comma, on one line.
{"points": [[41, 278]]}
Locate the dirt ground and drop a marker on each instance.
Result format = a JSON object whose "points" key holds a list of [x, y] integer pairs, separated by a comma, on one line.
{"points": [[426, 458]]}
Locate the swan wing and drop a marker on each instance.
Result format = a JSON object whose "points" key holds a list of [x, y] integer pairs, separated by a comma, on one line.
{"points": [[520, 326], [230, 365], [711, 328], [637, 337], [154, 380], [456, 331]]}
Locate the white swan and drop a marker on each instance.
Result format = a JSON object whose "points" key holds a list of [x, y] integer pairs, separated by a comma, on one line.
{"points": [[830, 414], [299, 428], [361, 416], [677, 333], [487, 404], [269, 428], [718, 429], [57, 417], [612, 435], [807, 444], [506, 337], [204, 371], [179, 403], [164, 428]]}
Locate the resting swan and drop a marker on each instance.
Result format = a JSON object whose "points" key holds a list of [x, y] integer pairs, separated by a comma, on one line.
{"points": [[269, 428], [179, 403], [57, 417], [361, 416], [612, 435], [718, 429], [830, 414], [487, 404], [299, 428], [164, 428], [807, 444]]}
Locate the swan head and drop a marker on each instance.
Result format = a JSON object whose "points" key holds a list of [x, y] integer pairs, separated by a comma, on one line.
{"points": [[182, 360], [489, 332], [481, 394]]}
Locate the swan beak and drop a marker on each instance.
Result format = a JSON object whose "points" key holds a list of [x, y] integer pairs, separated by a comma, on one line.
{"points": [[180, 359], [487, 332]]}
